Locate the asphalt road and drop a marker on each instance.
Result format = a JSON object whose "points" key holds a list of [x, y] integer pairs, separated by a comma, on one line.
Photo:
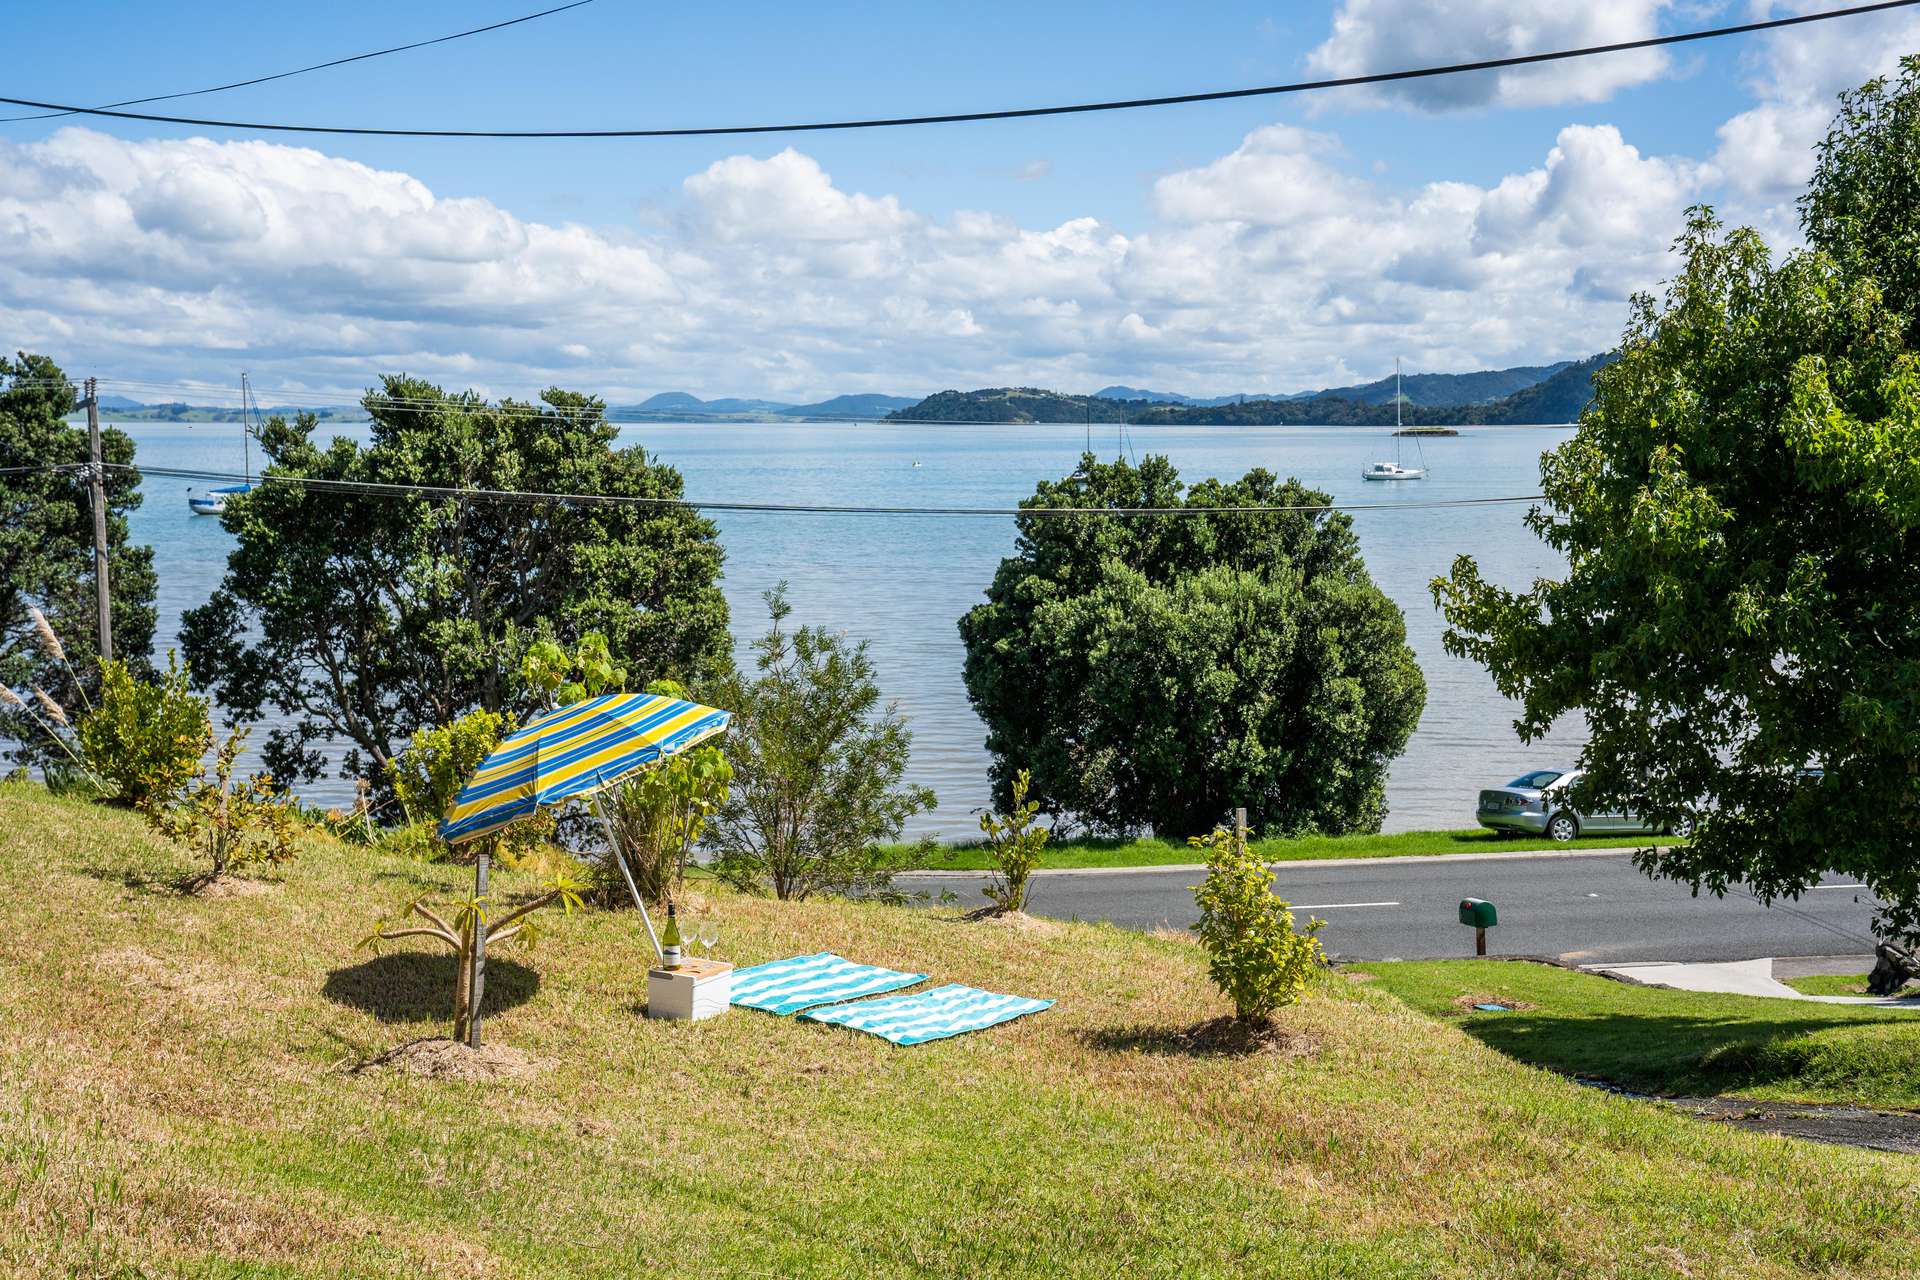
{"points": [[1585, 907]]}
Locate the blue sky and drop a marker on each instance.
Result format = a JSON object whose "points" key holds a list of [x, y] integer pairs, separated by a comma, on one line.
{"points": [[1267, 244]]}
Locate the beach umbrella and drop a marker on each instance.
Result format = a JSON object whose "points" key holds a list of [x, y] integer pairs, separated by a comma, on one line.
{"points": [[578, 750]]}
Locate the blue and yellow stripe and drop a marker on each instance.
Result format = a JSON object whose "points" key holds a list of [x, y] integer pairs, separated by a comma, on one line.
{"points": [[575, 750]]}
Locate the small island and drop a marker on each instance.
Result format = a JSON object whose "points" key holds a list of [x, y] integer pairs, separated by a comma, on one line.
{"points": [[1427, 431]]}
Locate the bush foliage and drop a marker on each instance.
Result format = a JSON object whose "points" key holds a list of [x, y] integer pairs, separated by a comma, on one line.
{"points": [[1253, 954], [817, 762], [145, 739]]}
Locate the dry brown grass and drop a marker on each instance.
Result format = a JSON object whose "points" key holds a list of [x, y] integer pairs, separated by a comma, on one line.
{"points": [[175, 1099]]}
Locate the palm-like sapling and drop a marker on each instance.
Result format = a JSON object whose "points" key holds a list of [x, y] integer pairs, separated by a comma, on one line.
{"points": [[457, 928]]}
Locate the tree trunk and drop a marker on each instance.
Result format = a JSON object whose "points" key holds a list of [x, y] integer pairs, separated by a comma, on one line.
{"points": [[462, 985]]}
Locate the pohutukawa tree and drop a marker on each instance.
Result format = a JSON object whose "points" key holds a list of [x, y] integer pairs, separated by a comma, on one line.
{"points": [[1160, 670], [1740, 514], [366, 614]]}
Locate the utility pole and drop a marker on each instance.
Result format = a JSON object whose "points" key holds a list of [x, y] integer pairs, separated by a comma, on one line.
{"points": [[97, 482]]}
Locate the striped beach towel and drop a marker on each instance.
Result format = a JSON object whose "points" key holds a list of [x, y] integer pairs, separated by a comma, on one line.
{"points": [[928, 1015], [788, 986]]}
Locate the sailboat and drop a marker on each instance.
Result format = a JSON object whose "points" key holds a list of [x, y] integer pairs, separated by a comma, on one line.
{"points": [[1394, 470], [214, 501]]}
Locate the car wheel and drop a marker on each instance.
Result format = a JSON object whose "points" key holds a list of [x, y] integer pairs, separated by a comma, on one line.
{"points": [[1683, 829], [1562, 828]]}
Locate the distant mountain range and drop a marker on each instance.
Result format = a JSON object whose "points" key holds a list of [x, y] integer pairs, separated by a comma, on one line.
{"points": [[1525, 393], [669, 405], [1538, 394], [1416, 388]]}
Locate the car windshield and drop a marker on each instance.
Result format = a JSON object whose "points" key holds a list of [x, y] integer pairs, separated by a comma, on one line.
{"points": [[1539, 779]]}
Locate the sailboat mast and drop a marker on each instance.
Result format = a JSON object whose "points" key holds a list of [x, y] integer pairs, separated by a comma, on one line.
{"points": [[246, 446]]}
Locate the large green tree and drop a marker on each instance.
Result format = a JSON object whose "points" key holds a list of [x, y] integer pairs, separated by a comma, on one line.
{"points": [[365, 613], [1159, 670], [1740, 513], [46, 544]]}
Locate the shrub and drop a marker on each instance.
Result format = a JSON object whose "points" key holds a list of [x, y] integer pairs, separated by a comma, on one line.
{"points": [[1013, 847], [235, 825], [1253, 954], [817, 761], [145, 740], [437, 762], [659, 816]]}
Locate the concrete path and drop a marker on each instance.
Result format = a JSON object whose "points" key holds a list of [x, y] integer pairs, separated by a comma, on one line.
{"points": [[1738, 978]]}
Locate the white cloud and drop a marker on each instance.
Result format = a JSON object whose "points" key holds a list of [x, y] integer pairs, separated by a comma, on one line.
{"points": [[1765, 154], [1396, 35], [1271, 268]]}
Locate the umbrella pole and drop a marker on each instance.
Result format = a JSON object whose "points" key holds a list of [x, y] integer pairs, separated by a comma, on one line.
{"points": [[476, 987], [619, 859]]}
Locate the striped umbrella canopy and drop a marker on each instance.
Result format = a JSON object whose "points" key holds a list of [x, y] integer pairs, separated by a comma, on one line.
{"points": [[574, 751]]}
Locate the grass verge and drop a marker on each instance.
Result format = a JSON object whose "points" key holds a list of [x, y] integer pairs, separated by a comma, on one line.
{"points": [[1089, 852], [1835, 984], [175, 1101], [1672, 1042]]}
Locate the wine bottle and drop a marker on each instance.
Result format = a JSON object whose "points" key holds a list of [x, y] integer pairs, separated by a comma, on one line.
{"points": [[670, 940]]}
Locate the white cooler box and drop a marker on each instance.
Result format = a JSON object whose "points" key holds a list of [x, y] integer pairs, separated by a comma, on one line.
{"points": [[697, 989]]}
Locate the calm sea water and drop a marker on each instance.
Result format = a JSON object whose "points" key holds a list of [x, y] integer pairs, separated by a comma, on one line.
{"points": [[902, 583]]}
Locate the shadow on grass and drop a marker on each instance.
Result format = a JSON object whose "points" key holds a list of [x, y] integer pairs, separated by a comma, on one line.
{"points": [[1682, 1054], [1225, 1037], [191, 884], [413, 986]]}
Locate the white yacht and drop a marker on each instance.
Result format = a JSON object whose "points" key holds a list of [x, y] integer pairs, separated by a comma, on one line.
{"points": [[1395, 470]]}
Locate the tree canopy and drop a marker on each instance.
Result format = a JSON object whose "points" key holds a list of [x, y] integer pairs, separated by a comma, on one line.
{"points": [[366, 614], [46, 541], [1160, 670], [1740, 616]]}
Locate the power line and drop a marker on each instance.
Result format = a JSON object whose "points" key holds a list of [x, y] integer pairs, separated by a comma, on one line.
{"points": [[1019, 113], [377, 489], [300, 71]]}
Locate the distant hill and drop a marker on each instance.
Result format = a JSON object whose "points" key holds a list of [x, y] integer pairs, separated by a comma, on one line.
{"points": [[854, 406], [1559, 397], [121, 409], [1418, 388], [679, 404], [1451, 388], [1170, 397]]}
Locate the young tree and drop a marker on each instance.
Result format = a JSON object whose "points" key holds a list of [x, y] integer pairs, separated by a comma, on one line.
{"points": [[46, 548], [1253, 954], [1159, 670], [509, 924], [235, 824], [817, 761], [1014, 845], [366, 614], [1740, 514]]}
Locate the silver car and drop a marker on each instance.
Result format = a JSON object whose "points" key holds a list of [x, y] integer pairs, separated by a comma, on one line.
{"points": [[1536, 804]]}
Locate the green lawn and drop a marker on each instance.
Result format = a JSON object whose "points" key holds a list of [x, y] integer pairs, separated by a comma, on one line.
{"points": [[175, 1101], [1675, 1042], [1157, 853], [1829, 984]]}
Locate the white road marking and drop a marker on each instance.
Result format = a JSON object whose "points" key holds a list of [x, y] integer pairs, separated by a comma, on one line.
{"points": [[1330, 906], [1839, 886]]}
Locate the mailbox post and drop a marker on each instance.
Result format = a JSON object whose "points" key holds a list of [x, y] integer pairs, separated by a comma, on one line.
{"points": [[1478, 913]]}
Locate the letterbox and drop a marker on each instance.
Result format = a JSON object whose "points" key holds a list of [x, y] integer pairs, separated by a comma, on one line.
{"points": [[1478, 913]]}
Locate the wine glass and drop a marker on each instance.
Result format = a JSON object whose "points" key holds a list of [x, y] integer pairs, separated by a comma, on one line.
{"points": [[709, 934]]}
